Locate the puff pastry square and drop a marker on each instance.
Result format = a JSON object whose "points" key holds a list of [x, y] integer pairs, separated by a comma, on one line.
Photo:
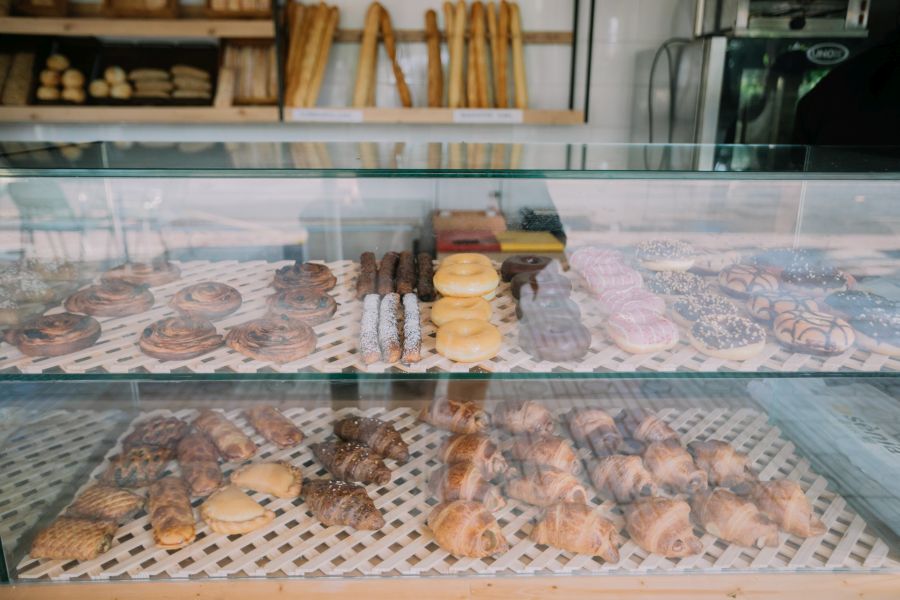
{"points": [[106, 502], [231, 511], [277, 479], [69, 538]]}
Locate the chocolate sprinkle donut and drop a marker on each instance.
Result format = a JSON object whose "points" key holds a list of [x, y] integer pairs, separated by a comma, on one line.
{"points": [[310, 306], [179, 338], [554, 338], [523, 263], [677, 283], [815, 278], [208, 300], [879, 333], [55, 335], [856, 304], [813, 332], [691, 308], [727, 332], [304, 275], [112, 298]]}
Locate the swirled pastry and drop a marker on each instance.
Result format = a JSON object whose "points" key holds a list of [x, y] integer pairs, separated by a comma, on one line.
{"points": [[277, 340], [110, 299], [304, 275], [55, 335], [159, 272], [179, 338], [209, 300], [302, 304]]}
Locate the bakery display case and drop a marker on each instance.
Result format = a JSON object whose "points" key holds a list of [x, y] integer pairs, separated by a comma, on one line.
{"points": [[447, 370]]}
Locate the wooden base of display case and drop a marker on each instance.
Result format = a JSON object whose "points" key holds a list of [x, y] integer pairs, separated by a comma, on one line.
{"points": [[435, 116], [141, 28], [139, 114]]}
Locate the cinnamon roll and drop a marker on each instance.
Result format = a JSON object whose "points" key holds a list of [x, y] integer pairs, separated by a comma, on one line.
{"points": [[110, 299], [302, 304], [179, 338], [152, 274], [55, 335], [277, 340], [304, 275], [208, 300]]}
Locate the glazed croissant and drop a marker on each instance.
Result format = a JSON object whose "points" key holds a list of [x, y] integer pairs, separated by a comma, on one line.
{"points": [[548, 450], [458, 416], [623, 479], [378, 435], [523, 416], [229, 440], [466, 528], [578, 528], [477, 449], [351, 461], [595, 428], [673, 468], [730, 517], [341, 503], [544, 486], [662, 526], [464, 481], [784, 502], [645, 426], [724, 466]]}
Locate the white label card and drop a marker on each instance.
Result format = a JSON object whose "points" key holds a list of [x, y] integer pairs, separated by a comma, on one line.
{"points": [[487, 115], [325, 115]]}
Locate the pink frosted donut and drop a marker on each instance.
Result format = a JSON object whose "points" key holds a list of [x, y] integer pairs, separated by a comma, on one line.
{"points": [[642, 331], [618, 300], [602, 279], [588, 255]]}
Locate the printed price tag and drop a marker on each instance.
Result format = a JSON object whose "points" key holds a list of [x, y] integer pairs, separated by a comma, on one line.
{"points": [[487, 115], [325, 115]]}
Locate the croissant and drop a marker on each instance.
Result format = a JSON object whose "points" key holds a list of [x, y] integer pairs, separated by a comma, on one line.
{"points": [[724, 466], [341, 503], [784, 502], [199, 463], [230, 441], [730, 517], [645, 426], [547, 450], [378, 435], [673, 468], [543, 486], [662, 526], [351, 461], [477, 449], [523, 416], [595, 428], [458, 416], [270, 423], [622, 478], [578, 528], [464, 481], [466, 528]]}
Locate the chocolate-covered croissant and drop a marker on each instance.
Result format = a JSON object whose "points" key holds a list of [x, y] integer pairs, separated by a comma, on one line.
{"points": [[547, 450], [595, 428], [543, 486], [734, 519], [466, 528], [464, 481], [673, 468], [458, 416], [578, 528], [523, 416], [351, 461], [623, 478], [475, 448], [724, 466], [662, 526], [644, 426], [378, 435], [784, 502], [341, 503]]}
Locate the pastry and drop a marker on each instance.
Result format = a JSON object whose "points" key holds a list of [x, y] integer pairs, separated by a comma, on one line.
{"points": [[543, 486], [619, 300], [208, 300], [554, 338], [724, 466], [586, 256], [879, 332], [406, 273], [351, 461], [742, 281], [161, 432], [729, 337], [466, 280], [388, 330], [541, 308], [523, 416], [230, 441], [593, 427], [854, 304], [157, 273], [304, 275], [47, 94], [425, 277], [466, 528], [539, 285], [608, 276], [340, 503], [110, 299], [623, 479], [784, 502], [546, 450], [468, 340], [642, 331], [815, 280], [466, 258], [727, 516], [189, 71], [645, 427], [525, 263], [69, 538], [170, 513], [766, 306], [386, 272], [369, 347], [198, 460], [368, 272], [474, 448], [270, 423], [665, 255], [662, 526], [136, 467], [179, 338], [114, 75], [378, 435], [412, 330], [147, 74], [465, 481], [120, 91], [689, 309], [72, 78], [576, 527], [55, 335], [278, 479], [453, 309], [458, 416], [278, 340], [230, 511], [105, 502], [677, 283], [673, 468], [53, 270], [777, 260], [813, 332], [302, 304]]}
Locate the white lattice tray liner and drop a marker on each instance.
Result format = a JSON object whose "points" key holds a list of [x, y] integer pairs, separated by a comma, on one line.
{"points": [[337, 351], [296, 544]]}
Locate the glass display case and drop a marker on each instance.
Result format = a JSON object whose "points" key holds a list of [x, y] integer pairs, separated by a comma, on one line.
{"points": [[542, 369]]}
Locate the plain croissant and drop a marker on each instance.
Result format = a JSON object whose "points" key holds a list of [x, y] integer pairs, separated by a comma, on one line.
{"points": [[623, 478], [734, 519], [594, 427], [662, 526], [464, 481], [523, 416], [578, 528], [645, 426], [458, 416], [724, 466], [547, 450], [350, 461], [466, 528], [784, 502], [378, 435], [476, 448], [673, 468], [543, 486]]}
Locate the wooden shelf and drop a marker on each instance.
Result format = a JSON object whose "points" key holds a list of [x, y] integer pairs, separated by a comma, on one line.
{"points": [[141, 28], [418, 35], [139, 114], [434, 116]]}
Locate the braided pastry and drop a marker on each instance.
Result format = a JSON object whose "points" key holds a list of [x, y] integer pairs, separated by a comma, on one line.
{"points": [[278, 340], [179, 338], [208, 300], [110, 299]]}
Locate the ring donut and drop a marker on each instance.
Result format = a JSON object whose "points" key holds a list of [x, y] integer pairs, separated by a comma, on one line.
{"points": [[466, 280], [727, 336], [454, 309], [468, 340], [466, 258], [555, 338]]}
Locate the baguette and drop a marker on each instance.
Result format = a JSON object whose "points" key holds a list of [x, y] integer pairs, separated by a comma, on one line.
{"points": [[188, 71], [312, 94], [191, 83], [501, 92], [494, 34], [471, 69], [390, 46], [481, 78], [457, 50], [515, 19], [435, 73], [367, 58], [449, 14], [311, 47]]}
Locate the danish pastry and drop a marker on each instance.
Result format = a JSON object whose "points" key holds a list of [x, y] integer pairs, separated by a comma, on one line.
{"points": [[179, 338]]}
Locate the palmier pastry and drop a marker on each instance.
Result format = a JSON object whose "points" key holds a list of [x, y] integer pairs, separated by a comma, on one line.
{"points": [[728, 336], [170, 512], [644, 426], [554, 338], [270, 423], [137, 467], [179, 338], [158, 272], [55, 335], [162, 432], [198, 460], [525, 263], [302, 304], [662, 526], [466, 528], [110, 299], [277, 340], [105, 502], [378, 435], [665, 255], [623, 479], [476, 448], [231, 442], [855, 304], [335, 502], [230, 511], [879, 333], [677, 283], [578, 528], [784, 502], [465, 481], [538, 308], [813, 332], [768, 305], [208, 300], [278, 479], [523, 416], [69, 538], [458, 416], [815, 279], [304, 275], [351, 461], [544, 486], [673, 468], [688, 309], [547, 450], [733, 519], [540, 284], [742, 281]]}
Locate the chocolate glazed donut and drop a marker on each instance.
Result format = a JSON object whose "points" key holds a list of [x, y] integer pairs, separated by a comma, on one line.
{"points": [[110, 299], [304, 275], [554, 338], [153, 274], [55, 335], [301, 304], [207, 300], [277, 340], [524, 263], [540, 284], [179, 338]]}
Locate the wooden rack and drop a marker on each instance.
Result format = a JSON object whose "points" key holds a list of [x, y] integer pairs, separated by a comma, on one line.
{"points": [[140, 28]]}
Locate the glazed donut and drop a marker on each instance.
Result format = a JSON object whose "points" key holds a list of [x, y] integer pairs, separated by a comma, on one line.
{"points": [[525, 263], [815, 280], [466, 258], [540, 284], [307, 275], [152, 274], [55, 335], [742, 281], [466, 280], [554, 338], [665, 255], [454, 309], [584, 257], [618, 300], [855, 304], [207, 300], [813, 332], [766, 306], [544, 307], [110, 299], [642, 331], [879, 333], [677, 283], [302, 304], [179, 338], [611, 276], [688, 309], [468, 340], [277, 340], [727, 336]]}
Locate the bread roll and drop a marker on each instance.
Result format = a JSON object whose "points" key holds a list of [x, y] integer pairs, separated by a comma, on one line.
{"points": [[122, 91], [49, 78], [99, 88], [47, 93], [114, 75], [72, 78], [74, 94], [57, 62]]}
